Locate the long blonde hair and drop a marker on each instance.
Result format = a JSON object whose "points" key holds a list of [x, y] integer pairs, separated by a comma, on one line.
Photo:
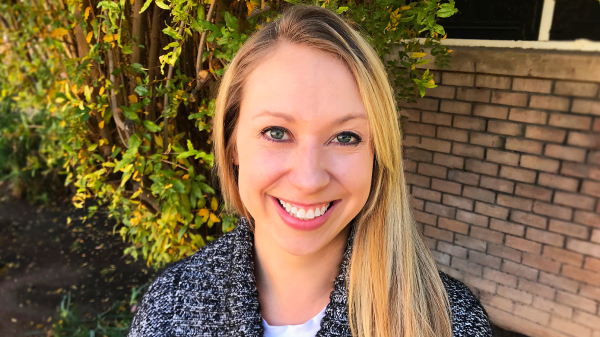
{"points": [[394, 286]]}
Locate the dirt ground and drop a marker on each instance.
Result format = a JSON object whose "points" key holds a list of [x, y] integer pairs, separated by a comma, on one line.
{"points": [[42, 257]]}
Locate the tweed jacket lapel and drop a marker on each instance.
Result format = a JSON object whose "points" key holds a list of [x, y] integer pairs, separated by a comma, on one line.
{"points": [[230, 291]]}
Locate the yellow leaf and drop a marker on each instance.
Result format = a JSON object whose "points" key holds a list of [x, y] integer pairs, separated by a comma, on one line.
{"points": [[214, 204], [445, 36], [405, 8], [449, 51], [418, 54], [89, 36], [101, 126], [63, 123], [103, 140], [101, 91], [187, 176], [81, 105], [87, 12], [214, 218], [133, 99], [110, 37], [431, 82], [132, 1], [59, 32], [412, 67]]}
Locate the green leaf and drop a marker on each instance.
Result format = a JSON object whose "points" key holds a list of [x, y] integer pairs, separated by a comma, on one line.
{"points": [[341, 10], [151, 126], [161, 4], [142, 91], [146, 5], [130, 114]]}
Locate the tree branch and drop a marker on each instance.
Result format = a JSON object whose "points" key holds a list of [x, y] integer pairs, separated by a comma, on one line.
{"points": [[201, 46]]}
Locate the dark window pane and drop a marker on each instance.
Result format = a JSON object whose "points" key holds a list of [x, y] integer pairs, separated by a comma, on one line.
{"points": [[495, 20], [576, 19]]}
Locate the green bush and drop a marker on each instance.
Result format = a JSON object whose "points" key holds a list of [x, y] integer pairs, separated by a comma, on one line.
{"points": [[114, 85]]}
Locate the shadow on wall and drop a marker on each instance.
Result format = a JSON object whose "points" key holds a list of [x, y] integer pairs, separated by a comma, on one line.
{"points": [[499, 332]]}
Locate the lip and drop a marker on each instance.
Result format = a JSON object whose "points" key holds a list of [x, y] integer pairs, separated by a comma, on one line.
{"points": [[303, 225]]}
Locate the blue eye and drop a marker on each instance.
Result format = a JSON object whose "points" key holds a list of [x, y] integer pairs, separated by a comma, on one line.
{"points": [[275, 134]]}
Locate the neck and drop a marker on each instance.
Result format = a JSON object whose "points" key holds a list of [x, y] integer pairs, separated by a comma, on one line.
{"points": [[292, 289]]}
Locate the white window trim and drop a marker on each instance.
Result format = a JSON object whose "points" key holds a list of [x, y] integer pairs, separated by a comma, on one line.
{"points": [[543, 38]]}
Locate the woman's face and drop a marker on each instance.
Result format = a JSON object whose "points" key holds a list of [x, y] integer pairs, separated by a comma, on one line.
{"points": [[302, 139]]}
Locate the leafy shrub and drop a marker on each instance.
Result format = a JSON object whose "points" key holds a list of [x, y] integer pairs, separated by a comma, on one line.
{"points": [[116, 85]]}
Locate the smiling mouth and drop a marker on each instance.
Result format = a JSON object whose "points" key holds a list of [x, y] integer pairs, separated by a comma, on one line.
{"points": [[303, 212]]}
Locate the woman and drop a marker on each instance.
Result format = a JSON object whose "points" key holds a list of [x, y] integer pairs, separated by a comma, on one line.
{"points": [[308, 151]]}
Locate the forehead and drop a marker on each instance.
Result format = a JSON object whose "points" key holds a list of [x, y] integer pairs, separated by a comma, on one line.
{"points": [[302, 81]]}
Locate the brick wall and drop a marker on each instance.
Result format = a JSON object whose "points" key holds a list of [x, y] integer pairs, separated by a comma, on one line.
{"points": [[503, 165]]}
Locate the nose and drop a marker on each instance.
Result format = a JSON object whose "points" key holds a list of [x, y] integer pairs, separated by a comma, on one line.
{"points": [[308, 169]]}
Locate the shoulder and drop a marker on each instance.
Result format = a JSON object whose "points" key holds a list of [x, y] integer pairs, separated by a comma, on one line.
{"points": [[157, 309], [469, 318]]}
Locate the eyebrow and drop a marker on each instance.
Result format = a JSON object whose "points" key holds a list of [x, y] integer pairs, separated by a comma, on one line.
{"points": [[291, 119]]}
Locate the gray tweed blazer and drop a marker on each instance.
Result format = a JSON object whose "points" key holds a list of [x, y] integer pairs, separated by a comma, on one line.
{"points": [[213, 293]]}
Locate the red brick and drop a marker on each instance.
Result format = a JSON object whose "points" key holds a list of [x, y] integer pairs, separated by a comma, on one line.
{"points": [[495, 82], [426, 194], [484, 259], [481, 167], [479, 194], [531, 314], [440, 210], [470, 123], [469, 267], [590, 188], [541, 263], [505, 128], [509, 98], [468, 150], [458, 79], [514, 294], [528, 116], [574, 200], [500, 277], [558, 282], [452, 200], [439, 234], [504, 252], [590, 140], [545, 237], [421, 104], [442, 91], [576, 302], [549, 103], [426, 218], [413, 128], [585, 106], [514, 202], [469, 242], [418, 154], [562, 183], [595, 236], [569, 327], [472, 218], [535, 192], [434, 145], [410, 166], [564, 256], [452, 249], [412, 114], [565, 152], [416, 179], [491, 210], [587, 218], [596, 125], [417, 204], [552, 307], [586, 248], [522, 145], [532, 85], [432, 170], [490, 111], [507, 227], [441, 258], [410, 141], [456, 107], [497, 184], [453, 225], [487, 235], [568, 228], [570, 121], [464, 177], [528, 219], [546, 134], [594, 157], [536, 288], [452, 134], [517, 174], [436, 118], [585, 276], [580, 170], [551, 210], [590, 292], [480, 283], [502, 157], [486, 139], [446, 186], [448, 160], [578, 89], [591, 321], [540, 164], [592, 264], [473, 95], [523, 245]]}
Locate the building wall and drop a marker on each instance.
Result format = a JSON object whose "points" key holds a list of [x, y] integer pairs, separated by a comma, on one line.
{"points": [[503, 165]]}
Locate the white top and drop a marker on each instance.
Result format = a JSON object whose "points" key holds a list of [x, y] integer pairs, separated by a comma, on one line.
{"points": [[308, 329]]}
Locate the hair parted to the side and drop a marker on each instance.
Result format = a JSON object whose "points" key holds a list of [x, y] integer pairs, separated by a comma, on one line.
{"points": [[394, 286]]}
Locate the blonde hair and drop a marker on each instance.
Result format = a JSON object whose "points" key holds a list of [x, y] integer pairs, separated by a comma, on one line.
{"points": [[393, 283]]}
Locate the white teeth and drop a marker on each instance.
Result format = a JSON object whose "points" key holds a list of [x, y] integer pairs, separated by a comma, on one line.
{"points": [[294, 210], [301, 213], [288, 208], [323, 209], [317, 212], [310, 214]]}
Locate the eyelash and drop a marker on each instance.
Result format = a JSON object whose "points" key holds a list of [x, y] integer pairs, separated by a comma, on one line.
{"points": [[270, 128]]}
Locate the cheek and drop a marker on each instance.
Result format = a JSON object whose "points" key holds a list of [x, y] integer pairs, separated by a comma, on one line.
{"points": [[354, 173]]}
